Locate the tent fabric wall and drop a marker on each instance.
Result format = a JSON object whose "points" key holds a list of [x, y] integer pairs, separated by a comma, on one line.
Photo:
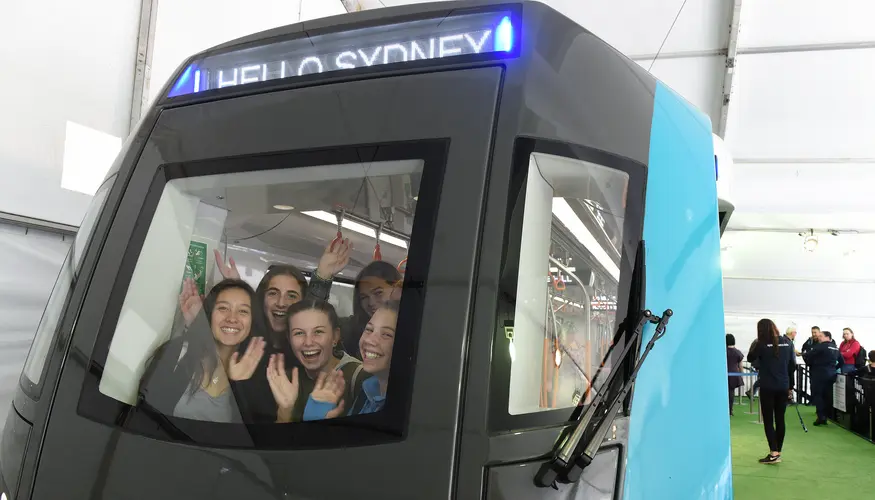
{"points": [[63, 62], [29, 263]]}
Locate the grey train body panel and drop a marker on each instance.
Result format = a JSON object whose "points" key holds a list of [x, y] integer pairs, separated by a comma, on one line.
{"points": [[373, 111], [565, 86]]}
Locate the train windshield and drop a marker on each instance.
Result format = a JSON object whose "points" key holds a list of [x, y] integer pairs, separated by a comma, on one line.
{"points": [[255, 276], [570, 254]]}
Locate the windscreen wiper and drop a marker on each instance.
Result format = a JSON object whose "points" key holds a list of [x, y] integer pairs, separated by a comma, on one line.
{"points": [[563, 460], [585, 456]]}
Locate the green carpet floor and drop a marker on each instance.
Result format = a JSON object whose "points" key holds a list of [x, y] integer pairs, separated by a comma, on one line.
{"points": [[818, 465]]}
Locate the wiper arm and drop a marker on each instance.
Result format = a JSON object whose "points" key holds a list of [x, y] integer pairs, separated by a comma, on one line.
{"points": [[562, 460], [585, 457]]}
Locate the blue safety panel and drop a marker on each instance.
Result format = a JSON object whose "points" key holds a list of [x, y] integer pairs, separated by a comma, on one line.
{"points": [[679, 444]]}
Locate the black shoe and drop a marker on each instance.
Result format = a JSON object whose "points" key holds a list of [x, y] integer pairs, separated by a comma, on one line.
{"points": [[771, 459], [819, 422]]}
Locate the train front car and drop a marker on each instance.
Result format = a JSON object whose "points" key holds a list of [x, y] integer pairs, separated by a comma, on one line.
{"points": [[534, 191]]}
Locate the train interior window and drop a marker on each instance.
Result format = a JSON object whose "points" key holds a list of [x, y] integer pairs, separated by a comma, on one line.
{"points": [[262, 296], [566, 298], [48, 325]]}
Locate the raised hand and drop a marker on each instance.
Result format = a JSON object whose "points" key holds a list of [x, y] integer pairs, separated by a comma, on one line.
{"points": [[229, 271], [329, 389], [190, 302], [285, 390], [333, 260], [242, 367]]}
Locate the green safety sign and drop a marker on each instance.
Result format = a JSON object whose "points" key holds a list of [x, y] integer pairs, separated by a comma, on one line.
{"points": [[196, 265]]}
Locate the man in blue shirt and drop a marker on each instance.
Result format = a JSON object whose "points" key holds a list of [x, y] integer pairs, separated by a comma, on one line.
{"points": [[823, 359]]}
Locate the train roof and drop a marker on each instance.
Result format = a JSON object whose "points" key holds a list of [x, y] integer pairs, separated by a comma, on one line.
{"points": [[561, 82]]}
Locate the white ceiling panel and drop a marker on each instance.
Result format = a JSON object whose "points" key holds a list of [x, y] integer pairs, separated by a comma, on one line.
{"points": [[804, 105], [804, 188], [804, 22], [846, 257], [695, 78], [807, 214]]}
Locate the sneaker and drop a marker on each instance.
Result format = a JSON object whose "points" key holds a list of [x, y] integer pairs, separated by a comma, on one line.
{"points": [[771, 459]]}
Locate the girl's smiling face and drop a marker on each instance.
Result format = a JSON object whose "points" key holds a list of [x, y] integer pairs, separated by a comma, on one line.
{"points": [[373, 292], [231, 320], [313, 339], [282, 291], [377, 342]]}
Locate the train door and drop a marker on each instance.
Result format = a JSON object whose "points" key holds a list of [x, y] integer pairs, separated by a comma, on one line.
{"points": [[266, 176]]}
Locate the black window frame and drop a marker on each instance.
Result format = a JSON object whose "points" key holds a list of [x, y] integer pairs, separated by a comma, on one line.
{"points": [[387, 426], [499, 418]]}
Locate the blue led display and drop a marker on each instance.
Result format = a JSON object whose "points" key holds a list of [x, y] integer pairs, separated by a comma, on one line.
{"points": [[462, 35]]}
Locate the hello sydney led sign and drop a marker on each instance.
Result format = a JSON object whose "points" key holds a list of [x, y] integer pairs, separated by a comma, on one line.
{"points": [[470, 35]]}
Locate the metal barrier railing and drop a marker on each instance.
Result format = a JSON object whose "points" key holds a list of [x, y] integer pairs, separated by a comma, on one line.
{"points": [[755, 376], [859, 416]]}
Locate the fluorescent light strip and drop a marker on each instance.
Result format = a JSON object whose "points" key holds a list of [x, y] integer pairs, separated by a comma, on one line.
{"points": [[356, 227], [562, 210], [575, 304]]}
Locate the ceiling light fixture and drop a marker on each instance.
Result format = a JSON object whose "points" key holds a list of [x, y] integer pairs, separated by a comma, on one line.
{"points": [[810, 241], [356, 227], [283, 207]]}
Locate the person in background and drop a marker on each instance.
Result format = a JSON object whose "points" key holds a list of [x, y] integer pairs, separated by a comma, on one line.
{"points": [[811, 341], [755, 365], [850, 349], [776, 358], [869, 369], [734, 357], [866, 375], [823, 360], [791, 335]]}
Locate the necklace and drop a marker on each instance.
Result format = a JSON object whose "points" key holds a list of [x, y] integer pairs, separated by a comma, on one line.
{"points": [[215, 380]]}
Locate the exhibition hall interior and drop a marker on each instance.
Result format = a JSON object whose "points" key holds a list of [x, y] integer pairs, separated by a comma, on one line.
{"points": [[307, 181]]}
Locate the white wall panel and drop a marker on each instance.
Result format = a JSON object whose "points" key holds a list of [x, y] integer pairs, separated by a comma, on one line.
{"points": [[804, 105], [698, 79], [637, 27], [805, 188], [835, 300], [184, 28], [61, 61], [29, 264], [784, 22]]}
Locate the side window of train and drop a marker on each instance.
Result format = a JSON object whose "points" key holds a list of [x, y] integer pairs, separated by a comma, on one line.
{"points": [[35, 362], [268, 290], [560, 283]]}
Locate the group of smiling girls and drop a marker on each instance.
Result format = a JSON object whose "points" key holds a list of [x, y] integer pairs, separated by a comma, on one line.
{"points": [[279, 353]]}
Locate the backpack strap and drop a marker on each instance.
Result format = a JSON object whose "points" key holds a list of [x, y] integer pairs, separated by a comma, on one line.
{"points": [[355, 387], [358, 404]]}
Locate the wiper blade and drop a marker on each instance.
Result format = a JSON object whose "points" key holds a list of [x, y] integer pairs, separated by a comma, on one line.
{"points": [[562, 460], [585, 457]]}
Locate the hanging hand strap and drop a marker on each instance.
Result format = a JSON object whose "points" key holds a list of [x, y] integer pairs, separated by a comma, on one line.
{"points": [[339, 237], [378, 255]]}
